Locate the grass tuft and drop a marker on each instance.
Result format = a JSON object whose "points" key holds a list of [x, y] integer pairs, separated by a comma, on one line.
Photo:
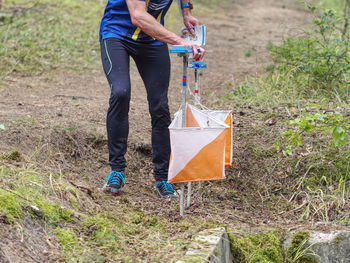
{"points": [[13, 155], [67, 239]]}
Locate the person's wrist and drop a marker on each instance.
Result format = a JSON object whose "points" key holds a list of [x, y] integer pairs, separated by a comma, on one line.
{"points": [[186, 5], [186, 12], [183, 42]]}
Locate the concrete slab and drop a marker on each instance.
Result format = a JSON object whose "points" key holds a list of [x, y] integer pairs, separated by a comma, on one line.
{"points": [[209, 246]]}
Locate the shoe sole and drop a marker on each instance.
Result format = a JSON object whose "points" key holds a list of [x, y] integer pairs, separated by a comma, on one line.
{"points": [[167, 196], [113, 191]]}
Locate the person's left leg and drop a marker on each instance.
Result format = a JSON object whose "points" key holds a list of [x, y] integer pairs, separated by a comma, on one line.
{"points": [[153, 63]]}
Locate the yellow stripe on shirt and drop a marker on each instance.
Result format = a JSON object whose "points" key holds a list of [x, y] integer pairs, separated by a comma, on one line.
{"points": [[138, 30], [159, 18], [136, 34]]}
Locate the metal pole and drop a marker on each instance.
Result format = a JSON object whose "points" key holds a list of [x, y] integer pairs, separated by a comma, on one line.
{"points": [[182, 199], [184, 90], [189, 186], [197, 97], [196, 102]]}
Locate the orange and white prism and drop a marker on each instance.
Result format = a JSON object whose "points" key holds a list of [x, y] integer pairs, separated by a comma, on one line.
{"points": [[200, 151], [226, 117]]}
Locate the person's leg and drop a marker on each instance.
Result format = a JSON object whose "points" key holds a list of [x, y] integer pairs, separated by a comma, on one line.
{"points": [[153, 63], [115, 61]]}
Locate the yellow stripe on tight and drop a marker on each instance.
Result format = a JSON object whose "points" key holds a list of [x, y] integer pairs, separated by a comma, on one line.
{"points": [[138, 30]]}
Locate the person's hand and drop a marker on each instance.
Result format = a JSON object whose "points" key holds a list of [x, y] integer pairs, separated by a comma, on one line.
{"points": [[198, 52], [190, 22]]}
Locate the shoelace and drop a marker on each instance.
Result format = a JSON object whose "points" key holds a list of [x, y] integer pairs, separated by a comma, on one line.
{"points": [[116, 178], [165, 187]]}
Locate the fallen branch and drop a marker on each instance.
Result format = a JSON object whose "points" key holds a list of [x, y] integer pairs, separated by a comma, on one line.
{"points": [[241, 220], [88, 189], [72, 97], [50, 244], [295, 209], [17, 194]]}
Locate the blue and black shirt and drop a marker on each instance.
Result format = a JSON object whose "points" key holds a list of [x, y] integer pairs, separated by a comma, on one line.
{"points": [[116, 21]]}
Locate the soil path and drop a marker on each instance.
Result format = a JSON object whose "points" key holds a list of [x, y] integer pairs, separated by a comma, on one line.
{"points": [[78, 101]]}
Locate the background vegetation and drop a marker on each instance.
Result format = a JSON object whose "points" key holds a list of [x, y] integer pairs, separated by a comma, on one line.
{"points": [[309, 81], [304, 92]]}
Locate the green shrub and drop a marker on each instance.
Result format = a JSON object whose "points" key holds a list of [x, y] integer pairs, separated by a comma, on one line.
{"points": [[312, 65], [318, 61]]}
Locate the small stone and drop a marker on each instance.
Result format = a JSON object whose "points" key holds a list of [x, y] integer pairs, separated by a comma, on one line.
{"points": [[294, 111], [237, 124], [3, 219], [271, 121], [35, 210], [209, 244]]}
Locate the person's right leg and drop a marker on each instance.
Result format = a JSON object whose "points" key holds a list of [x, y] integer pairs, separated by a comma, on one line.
{"points": [[115, 61]]}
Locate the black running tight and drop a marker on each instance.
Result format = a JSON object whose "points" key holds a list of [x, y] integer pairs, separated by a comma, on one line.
{"points": [[153, 64]]}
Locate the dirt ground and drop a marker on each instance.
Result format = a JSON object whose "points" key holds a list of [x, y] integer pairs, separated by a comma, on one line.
{"points": [[77, 102], [58, 118]]}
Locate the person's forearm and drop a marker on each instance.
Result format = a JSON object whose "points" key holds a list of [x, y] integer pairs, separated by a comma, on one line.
{"points": [[153, 28], [148, 24]]}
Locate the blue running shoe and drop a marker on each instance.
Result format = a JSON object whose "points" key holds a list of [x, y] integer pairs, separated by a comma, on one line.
{"points": [[115, 181], [166, 189]]}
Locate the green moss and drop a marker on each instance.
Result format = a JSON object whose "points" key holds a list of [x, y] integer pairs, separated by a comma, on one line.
{"points": [[192, 259], [299, 237], [338, 239], [53, 213], [268, 254], [100, 228], [67, 240], [263, 248], [137, 217], [31, 187], [236, 249], [298, 252], [10, 205]]}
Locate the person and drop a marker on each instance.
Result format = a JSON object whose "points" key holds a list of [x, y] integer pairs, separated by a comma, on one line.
{"points": [[135, 28]]}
